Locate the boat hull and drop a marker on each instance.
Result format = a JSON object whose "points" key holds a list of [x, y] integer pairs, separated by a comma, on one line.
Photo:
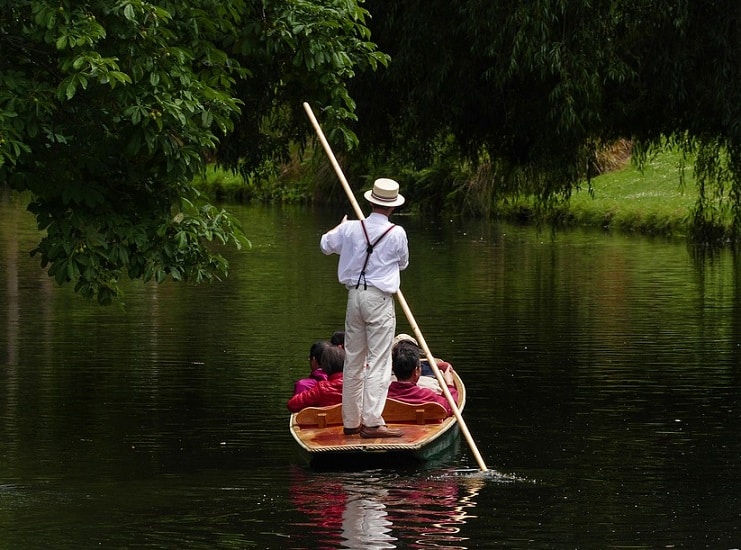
{"points": [[422, 440]]}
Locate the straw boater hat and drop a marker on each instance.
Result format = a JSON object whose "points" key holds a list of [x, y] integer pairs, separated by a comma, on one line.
{"points": [[401, 337], [385, 192]]}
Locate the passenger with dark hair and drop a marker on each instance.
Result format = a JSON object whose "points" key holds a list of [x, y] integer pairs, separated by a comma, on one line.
{"points": [[338, 338], [326, 392], [405, 362], [317, 373], [428, 378]]}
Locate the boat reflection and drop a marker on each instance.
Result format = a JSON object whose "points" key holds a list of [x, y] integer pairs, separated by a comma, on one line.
{"points": [[383, 509]]}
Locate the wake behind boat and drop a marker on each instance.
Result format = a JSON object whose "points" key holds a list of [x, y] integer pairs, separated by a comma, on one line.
{"points": [[428, 430]]}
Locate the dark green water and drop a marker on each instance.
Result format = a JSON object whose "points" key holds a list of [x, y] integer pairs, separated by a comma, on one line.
{"points": [[603, 377]]}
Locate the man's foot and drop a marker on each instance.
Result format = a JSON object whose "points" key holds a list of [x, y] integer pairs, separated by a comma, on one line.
{"points": [[351, 431], [379, 431]]}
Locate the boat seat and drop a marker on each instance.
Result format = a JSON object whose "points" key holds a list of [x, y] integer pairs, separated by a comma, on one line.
{"points": [[395, 412], [321, 417], [398, 412]]}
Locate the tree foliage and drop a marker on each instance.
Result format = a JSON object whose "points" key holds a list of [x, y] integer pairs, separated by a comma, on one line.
{"points": [[537, 86], [297, 51], [109, 108]]}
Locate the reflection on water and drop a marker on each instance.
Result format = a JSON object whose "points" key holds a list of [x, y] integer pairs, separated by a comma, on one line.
{"points": [[603, 376], [378, 509]]}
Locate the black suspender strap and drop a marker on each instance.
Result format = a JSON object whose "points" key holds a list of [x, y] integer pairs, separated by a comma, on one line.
{"points": [[369, 251]]}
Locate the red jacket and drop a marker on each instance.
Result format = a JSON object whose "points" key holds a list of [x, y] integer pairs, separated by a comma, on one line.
{"points": [[416, 395], [325, 393]]}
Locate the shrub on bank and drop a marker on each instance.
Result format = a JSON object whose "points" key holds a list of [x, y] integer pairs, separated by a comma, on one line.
{"points": [[656, 198]]}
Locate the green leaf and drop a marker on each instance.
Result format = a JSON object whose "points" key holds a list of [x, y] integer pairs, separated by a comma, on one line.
{"points": [[70, 88]]}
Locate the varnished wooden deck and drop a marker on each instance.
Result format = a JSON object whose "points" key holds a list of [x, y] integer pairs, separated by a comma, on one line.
{"points": [[319, 430]]}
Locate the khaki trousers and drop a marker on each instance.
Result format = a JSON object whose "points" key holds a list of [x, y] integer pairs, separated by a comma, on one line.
{"points": [[370, 325]]}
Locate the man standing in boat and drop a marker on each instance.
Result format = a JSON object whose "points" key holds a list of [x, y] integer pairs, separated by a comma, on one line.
{"points": [[372, 253]]}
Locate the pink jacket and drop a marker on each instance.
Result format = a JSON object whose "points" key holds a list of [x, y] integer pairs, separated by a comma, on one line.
{"points": [[307, 383]]}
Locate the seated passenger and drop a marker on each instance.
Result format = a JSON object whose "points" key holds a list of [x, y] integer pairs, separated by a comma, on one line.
{"points": [[325, 392], [338, 338], [428, 378], [317, 374], [407, 367]]}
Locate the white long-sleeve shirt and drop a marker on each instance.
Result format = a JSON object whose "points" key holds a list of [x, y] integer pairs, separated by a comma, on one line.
{"points": [[389, 256]]}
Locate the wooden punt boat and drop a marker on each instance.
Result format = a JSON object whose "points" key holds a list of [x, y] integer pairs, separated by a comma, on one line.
{"points": [[428, 431]]}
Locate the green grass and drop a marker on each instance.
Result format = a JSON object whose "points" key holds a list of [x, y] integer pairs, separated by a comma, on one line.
{"points": [[652, 200], [224, 184], [219, 182]]}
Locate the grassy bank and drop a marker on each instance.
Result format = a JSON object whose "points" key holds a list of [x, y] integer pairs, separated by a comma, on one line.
{"points": [[225, 185], [651, 200]]}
